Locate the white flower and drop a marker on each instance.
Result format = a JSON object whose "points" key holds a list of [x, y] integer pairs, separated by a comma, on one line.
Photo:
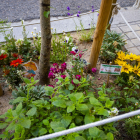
{"points": [[2, 51], [11, 28], [67, 39], [75, 49], [35, 28], [114, 111], [64, 34], [6, 82], [39, 31], [136, 103]]}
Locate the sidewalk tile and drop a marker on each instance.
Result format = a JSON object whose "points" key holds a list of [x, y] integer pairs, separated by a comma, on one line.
{"points": [[138, 33], [134, 51], [129, 44], [136, 42], [135, 27], [124, 36], [125, 29], [116, 29], [119, 25], [138, 48], [130, 35]]}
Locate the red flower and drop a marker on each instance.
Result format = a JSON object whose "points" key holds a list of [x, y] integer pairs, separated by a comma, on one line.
{"points": [[73, 52], [16, 62], [15, 55], [3, 56], [6, 72]]}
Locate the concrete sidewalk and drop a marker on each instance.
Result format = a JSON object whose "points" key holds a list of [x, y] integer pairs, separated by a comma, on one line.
{"points": [[68, 24]]}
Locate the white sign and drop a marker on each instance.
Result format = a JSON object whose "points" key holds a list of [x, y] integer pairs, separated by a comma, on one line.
{"points": [[110, 69]]}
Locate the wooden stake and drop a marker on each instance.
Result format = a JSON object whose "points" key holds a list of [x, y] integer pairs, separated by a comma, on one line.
{"points": [[99, 32], [1, 91], [114, 1], [107, 84]]}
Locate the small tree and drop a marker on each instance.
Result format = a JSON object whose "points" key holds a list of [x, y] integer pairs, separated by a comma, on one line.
{"points": [[44, 62]]}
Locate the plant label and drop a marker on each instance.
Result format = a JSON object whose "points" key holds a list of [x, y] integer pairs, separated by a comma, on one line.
{"points": [[110, 69]]}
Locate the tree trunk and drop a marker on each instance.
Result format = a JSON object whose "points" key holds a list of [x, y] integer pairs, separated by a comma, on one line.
{"points": [[104, 12], [109, 25], [44, 62]]}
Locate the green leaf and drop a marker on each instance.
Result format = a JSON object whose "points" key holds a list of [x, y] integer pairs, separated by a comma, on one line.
{"points": [[78, 95], [76, 81], [42, 131], [32, 79], [45, 122], [57, 126], [48, 88], [46, 14], [94, 132], [70, 108], [103, 112], [19, 99], [19, 108], [59, 103], [11, 126], [89, 119], [3, 125], [80, 138], [82, 107], [110, 136], [31, 112], [26, 123], [18, 128], [26, 80], [94, 101], [71, 87], [58, 82], [66, 121], [72, 97], [109, 103]]}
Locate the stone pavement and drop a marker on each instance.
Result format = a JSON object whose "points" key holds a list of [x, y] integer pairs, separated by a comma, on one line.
{"points": [[133, 44], [68, 24]]}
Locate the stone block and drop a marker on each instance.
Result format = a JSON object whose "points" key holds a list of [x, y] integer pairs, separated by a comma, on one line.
{"points": [[125, 29], [130, 35], [129, 44], [116, 30], [134, 50], [136, 42]]}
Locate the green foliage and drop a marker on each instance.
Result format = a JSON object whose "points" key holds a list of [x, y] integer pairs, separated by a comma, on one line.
{"points": [[35, 117], [132, 127], [112, 43]]}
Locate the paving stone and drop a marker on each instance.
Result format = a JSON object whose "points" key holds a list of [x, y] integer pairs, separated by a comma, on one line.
{"points": [[135, 27], [138, 33], [116, 29], [125, 29], [130, 35], [138, 48], [119, 25], [129, 44], [134, 50], [136, 42], [124, 37]]}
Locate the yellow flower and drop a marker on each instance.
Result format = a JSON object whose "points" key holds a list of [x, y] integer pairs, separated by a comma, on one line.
{"points": [[131, 78], [138, 117], [138, 58], [121, 55], [131, 56], [127, 68], [119, 62], [136, 69]]}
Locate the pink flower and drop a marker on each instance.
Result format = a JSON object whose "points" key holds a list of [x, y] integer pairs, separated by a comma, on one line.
{"points": [[80, 55], [63, 76], [78, 77], [64, 65], [51, 86], [73, 52], [55, 65], [94, 70], [51, 75]]}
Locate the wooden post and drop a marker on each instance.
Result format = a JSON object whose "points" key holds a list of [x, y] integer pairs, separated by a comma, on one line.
{"points": [[1, 91], [99, 32], [114, 1]]}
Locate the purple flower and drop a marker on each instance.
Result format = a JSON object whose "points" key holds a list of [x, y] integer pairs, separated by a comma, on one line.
{"points": [[78, 6], [68, 8], [78, 15], [51, 75], [79, 12], [71, 14], [98, 14], [93, 10], [51, 86], [68, 14], [89, 24], [92, 7], [94, 70], [76, 50], [63, 76], [78, 77]]}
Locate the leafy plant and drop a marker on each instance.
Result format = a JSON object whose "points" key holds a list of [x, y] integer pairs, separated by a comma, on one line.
{"points": [[112, 43]]}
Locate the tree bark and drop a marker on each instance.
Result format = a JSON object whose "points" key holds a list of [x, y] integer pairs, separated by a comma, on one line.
{"points": [[44, 62], [1, 91], [104, 12], [109, 25]]}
